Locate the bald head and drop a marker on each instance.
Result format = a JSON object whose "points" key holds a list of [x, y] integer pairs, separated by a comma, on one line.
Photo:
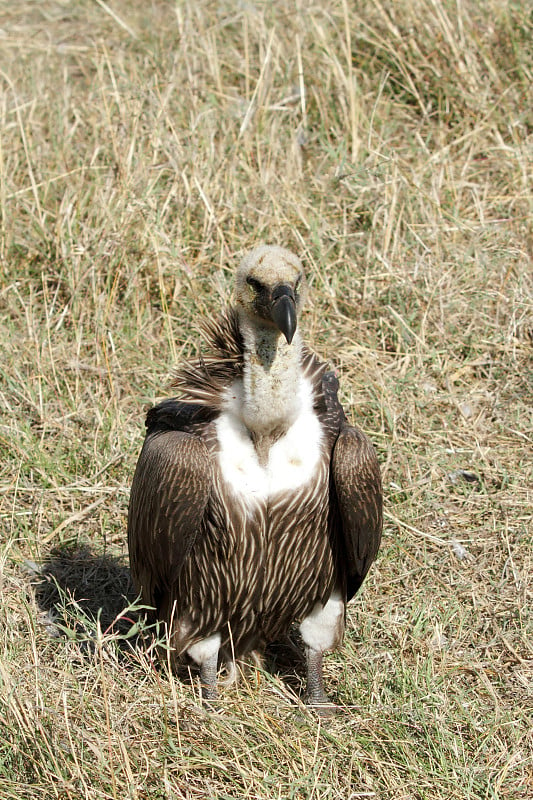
{"points": [[270, 287]]}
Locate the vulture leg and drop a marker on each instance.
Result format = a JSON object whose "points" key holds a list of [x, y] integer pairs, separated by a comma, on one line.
{"points": [[205, 654], [321, 631], [208, 678], [315, 695]]}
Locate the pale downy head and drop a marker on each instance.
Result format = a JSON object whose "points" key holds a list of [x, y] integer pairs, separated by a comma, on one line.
{"points": [[270, 288]]}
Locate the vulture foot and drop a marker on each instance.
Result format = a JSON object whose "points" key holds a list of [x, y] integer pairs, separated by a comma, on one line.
{"points": [[325, 709]]}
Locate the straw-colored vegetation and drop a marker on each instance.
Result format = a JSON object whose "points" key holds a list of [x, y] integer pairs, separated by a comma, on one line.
{"points": [[144, 146]]}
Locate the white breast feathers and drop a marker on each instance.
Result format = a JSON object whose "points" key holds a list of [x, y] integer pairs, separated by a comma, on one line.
{"points": [[292, 460]]}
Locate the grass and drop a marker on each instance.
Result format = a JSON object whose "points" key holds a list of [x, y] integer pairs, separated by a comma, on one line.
{"points": [[143, 149]]}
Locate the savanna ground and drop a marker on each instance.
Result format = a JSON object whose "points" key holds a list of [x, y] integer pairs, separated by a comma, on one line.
{"points": [[143, 148]]}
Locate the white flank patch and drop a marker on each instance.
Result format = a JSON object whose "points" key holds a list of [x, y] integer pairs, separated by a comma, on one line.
{"points": [[292, 460], [205, 649], [320, 630]]}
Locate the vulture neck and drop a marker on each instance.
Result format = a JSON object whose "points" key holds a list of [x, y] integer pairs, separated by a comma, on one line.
{"points": [[272, 383]]}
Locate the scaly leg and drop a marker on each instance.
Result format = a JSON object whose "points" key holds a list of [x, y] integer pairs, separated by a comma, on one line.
{"points": [[321, 630], [205, 653], [208, 678], [315, 694]]}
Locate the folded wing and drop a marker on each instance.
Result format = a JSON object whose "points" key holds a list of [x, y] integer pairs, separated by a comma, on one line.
{"points": [[356, 501], [357, 489], [168, 501]]}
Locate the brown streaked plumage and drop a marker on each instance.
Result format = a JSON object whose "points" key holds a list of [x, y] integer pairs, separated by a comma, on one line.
{"points": [[254, 505]]}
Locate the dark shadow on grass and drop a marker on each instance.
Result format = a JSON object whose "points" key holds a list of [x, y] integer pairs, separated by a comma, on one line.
{"points": [[77, 588], [285, 659], [78, 579]]}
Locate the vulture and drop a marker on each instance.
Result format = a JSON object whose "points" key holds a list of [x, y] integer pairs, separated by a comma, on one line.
{"points": [[254, 506]]}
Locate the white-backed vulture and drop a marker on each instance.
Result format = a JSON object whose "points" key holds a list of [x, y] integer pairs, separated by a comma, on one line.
{"points": [[254, 505]]}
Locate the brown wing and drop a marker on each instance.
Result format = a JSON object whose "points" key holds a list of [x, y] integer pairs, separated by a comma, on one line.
{"points": [[168, 500], [357, 492]]}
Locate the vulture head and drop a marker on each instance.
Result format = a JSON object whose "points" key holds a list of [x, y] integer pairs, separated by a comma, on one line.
{"points": [[270, 289]]}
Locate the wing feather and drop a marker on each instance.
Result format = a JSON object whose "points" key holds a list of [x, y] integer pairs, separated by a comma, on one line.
{"points": [[358, 495], [168, 501]]}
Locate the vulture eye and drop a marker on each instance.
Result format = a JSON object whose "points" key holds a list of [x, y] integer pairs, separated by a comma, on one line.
{"points": [[254, 283]]}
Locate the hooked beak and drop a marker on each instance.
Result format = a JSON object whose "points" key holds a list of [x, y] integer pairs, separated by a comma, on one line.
{"points": [[284, 310]]}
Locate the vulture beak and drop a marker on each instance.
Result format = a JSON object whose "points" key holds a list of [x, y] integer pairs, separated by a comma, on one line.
{"points": [[284, 310]]}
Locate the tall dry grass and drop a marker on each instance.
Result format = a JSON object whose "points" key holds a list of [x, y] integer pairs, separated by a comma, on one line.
{"points": [[143, 148]]}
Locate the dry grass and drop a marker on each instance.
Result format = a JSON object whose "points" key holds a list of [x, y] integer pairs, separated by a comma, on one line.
{"points": [[143, 147]]}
